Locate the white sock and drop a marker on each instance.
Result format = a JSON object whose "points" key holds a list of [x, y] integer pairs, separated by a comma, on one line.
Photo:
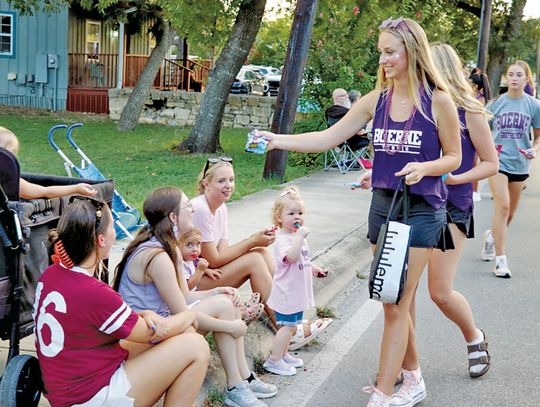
{"points": [[475, 355], [489, 237], [501, 260]]}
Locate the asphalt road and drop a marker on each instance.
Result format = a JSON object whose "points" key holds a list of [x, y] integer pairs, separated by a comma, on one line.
{"points": [[344, 361]]}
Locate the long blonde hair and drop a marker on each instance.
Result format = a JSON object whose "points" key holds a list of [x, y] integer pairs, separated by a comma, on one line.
{"points": [[450, 67], [421, 68], [527, 69]]}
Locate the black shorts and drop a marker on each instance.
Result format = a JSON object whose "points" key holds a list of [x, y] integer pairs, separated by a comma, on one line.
{"points": [[429, 224], [463, 220], [515, 177]]}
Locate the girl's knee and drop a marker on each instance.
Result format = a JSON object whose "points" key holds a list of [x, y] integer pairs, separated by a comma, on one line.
{"points": [[393, 312], [199, 347], [440, 298]]}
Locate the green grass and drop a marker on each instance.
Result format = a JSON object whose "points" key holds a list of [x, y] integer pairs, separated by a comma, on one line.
{"points": [[139, 160]]}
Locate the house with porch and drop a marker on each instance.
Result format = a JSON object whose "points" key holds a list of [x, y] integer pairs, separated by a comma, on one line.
{"points": [[70, 59]]}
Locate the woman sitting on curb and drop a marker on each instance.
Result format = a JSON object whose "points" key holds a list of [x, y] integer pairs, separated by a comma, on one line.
{"points": [[150, 276], [80, 322]]}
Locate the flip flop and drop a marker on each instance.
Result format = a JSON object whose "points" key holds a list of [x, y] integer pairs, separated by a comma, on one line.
{"points": [[253, 300]]}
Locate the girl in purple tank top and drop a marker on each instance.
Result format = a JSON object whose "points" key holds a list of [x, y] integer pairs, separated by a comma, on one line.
{"points": [[416, 135], [442, 266]]}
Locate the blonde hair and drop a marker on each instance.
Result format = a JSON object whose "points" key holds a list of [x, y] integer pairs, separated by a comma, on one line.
{"points": [[9, 141], [421, 68], [460, 90], [289, 194], [210, 171], [526, 68], [188, 235]]}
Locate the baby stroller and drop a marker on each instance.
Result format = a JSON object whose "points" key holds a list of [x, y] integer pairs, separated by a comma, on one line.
{"points": [[24, 255], [126, 218]]}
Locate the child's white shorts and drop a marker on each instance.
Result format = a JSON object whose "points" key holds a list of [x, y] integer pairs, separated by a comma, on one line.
{"points": [[113, 395]]}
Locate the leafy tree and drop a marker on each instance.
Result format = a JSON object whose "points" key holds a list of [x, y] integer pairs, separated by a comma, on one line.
{"points": [[204, 136], [271, 43]]}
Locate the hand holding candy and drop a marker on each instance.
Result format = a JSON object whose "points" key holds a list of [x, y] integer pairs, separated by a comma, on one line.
{"points": [[355, 185], [256, 143], [530, 154]]}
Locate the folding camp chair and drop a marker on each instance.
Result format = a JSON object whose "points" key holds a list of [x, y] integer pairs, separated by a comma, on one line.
{"points": [[352, 154]]}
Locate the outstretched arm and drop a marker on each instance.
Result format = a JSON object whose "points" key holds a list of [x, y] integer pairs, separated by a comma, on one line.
{"points": [[355, 119], [28, 190]]}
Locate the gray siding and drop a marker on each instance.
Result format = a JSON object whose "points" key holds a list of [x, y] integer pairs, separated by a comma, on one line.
{"points": [[36, 36]]}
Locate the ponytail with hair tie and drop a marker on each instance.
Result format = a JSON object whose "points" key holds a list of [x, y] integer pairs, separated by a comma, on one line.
{"points": [[60, 255]]}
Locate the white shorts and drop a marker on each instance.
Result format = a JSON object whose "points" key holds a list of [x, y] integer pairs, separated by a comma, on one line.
{"points": [[113, 395]]}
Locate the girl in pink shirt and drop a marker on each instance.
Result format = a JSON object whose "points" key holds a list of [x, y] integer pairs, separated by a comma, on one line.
{"points": [[292, 289]]}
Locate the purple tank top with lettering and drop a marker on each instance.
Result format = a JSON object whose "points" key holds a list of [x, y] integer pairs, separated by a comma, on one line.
{"points": [[422, 144], [461, 195]]}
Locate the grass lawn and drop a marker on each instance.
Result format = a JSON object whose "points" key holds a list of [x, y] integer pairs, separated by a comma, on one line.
{"points": [[139, 160]]}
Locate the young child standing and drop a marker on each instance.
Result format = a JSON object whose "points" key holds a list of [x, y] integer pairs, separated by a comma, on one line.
{"points": [[292, 288]]}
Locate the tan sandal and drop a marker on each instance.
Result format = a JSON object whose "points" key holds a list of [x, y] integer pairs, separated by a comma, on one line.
{"points": [[482, 360]]}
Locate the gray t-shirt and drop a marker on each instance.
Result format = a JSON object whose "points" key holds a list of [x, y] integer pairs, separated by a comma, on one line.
{"points": [[512, 123]]}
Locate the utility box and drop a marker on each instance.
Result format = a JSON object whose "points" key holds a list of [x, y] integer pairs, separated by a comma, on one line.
{"points": [[41, 68], [52, 61]]}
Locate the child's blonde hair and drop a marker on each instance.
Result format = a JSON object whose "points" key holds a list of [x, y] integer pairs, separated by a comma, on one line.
{"points": [[207, 175], [9, 141], [188, 235], [289, 194]]}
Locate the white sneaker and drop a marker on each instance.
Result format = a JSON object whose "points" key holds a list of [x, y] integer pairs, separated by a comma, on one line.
{"points": [[412, 391], [241, 396], [280, 367], [476, 196], [501, 270], [261, 389], [378, 398], [488, 247], [292, 361]]}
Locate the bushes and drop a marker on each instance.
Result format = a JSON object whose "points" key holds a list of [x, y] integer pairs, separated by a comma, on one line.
{"points": [[305, 123]]}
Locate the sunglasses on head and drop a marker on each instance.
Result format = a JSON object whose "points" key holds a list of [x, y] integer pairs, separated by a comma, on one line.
{"points": [[98, 205], [389, 23], [215, 160]]}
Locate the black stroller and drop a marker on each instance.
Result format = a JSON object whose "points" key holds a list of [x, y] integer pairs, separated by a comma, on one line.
{"points": [[24, 227]]}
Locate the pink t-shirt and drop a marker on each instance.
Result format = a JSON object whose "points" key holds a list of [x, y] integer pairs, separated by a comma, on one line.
{"points": [[213, 227], [79, 322], [292, 288]]}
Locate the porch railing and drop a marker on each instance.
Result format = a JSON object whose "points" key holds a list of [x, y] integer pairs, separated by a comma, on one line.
{"points": [[100, 71]]}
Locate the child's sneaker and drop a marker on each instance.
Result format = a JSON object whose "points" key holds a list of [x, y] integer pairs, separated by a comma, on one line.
{"points": [[261, 389], [488, 247], [241, 396], [280, 367], [413, 390], [292, 361]]}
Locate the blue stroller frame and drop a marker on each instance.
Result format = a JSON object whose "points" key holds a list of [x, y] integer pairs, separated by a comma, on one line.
{"points": [[126, 218]]}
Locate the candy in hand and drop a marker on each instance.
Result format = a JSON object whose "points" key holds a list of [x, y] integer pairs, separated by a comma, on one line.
{"points": [[256, 143]]}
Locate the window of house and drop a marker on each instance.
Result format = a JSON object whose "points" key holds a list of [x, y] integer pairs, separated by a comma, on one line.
{"points": [[93, 38], [7, 35]]}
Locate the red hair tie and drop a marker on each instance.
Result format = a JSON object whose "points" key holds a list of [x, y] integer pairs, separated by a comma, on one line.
{"points": [[60, 254]]}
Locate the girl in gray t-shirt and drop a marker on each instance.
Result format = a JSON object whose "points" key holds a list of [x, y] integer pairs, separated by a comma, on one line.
{"points": [[515, 113]]}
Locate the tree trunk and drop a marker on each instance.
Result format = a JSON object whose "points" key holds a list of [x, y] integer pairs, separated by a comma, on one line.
{"points": [[291, 82], [483, 37], [204, 137], [135, 104], [497, 57]]}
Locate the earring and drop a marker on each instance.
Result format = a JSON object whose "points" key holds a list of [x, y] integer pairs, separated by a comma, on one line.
{"points": [[176, 231]]}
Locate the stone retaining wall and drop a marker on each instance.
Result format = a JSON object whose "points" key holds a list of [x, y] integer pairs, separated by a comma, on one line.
{"points": [[180, 108]]}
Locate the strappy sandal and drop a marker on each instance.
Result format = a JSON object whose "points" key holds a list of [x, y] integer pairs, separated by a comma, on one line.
{"points": [[252, 313], [482, 360], [253, 300]]}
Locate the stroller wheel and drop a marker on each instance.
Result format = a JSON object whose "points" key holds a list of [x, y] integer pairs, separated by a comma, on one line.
{"points": [[21, 383]]}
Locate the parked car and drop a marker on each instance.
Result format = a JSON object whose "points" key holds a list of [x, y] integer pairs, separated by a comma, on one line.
{"points": [[272, 76], [250, 82]]}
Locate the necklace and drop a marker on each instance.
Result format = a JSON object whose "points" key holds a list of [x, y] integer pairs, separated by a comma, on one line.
{"points": [[406, 130]]}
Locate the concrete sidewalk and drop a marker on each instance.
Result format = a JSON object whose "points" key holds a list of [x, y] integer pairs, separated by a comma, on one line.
{"points": [[336, 217]]}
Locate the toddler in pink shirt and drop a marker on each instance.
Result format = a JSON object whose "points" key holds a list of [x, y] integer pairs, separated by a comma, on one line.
{"points": [[292, 287]]}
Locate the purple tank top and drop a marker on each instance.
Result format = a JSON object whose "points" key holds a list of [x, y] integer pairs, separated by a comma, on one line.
{"points": [[422, 144], [461, 195]]}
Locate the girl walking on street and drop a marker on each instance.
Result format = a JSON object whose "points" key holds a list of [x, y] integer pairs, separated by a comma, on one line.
{"points": [[442, 266], [416, 136], [515, 113]]}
